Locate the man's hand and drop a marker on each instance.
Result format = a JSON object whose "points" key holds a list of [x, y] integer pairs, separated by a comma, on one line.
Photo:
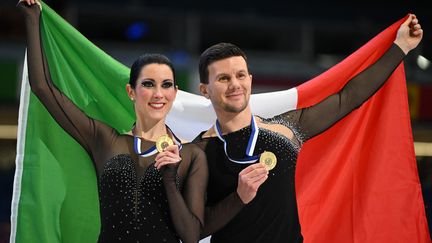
{"points": [[409, 34], [249, 180]]}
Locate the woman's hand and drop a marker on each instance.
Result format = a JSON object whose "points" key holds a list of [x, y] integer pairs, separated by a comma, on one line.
{"points": [[30, 8], [30, 3], [168, 161]]}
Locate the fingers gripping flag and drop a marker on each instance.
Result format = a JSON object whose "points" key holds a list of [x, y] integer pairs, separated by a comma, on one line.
{"points": [[356, 182]]}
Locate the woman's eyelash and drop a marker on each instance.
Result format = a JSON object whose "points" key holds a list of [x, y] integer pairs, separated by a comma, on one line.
{"points": [[167, 84], [147, 84]]}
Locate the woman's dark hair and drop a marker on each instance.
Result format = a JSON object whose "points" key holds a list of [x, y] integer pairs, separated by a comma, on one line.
{"points": [[215, 53], [144, 60]]}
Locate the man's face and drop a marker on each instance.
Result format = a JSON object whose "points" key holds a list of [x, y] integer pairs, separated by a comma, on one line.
{"points": [[229, 86]]}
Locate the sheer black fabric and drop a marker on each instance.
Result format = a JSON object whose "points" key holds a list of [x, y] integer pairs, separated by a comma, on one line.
{"points": [[316, 119], [138, 203], [272, 216]]}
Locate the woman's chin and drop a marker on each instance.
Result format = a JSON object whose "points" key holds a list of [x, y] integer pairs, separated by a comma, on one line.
{"points": [[157, 115]]}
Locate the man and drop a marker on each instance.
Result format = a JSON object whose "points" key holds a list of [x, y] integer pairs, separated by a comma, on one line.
{"points": [[250, 202]]}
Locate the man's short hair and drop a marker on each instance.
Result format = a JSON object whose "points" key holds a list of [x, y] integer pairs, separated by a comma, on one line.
{"points": [[215, 53]]}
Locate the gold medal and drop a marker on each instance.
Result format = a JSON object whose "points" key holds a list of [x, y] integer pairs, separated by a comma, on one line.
{"points": [[163, 142], [268, 159]]}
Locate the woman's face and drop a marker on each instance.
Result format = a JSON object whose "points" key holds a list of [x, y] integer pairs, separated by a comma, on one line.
{"points": [[154, 92]]}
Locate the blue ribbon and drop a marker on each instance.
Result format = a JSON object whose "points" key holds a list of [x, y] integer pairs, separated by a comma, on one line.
{"points": [[152, 150], [249, 157]]}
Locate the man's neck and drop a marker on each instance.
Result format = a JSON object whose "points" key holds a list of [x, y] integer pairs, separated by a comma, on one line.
{"points": [[231, 122]]}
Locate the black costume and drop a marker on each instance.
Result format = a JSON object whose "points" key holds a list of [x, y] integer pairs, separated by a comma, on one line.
{"points": [[272, 215], [138, 203]]}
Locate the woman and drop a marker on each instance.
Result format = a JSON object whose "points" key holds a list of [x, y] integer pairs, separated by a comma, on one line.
{"points": [[147, 192]]}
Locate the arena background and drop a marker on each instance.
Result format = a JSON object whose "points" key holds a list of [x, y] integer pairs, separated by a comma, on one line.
{"points": [[287, 44]]}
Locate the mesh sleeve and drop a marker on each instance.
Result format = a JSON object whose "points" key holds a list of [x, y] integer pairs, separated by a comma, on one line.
{"points": [[75, 122], [220, 214], [187, 210], [316, 119]]}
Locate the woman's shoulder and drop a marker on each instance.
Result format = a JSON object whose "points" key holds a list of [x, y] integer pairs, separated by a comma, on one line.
{"points": [[193, 158], [194, 151], [192, 147]]}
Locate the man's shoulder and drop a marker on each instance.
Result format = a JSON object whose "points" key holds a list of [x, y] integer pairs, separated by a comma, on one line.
{"points": [[204, 138], [199, 137]]}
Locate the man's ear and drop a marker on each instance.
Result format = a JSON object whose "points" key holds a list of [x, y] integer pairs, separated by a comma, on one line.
{"points": [[203, 90]]}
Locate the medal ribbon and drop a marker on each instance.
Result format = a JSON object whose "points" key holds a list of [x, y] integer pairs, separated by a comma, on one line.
{"points": [[249, 157], [152, 150]]}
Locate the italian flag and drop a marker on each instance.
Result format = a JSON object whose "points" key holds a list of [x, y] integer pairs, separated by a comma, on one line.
{"points": [[356, 182]]}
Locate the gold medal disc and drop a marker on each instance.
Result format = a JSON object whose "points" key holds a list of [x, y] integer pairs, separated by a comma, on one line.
{"points": [[268, 159], [163, 142]]}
